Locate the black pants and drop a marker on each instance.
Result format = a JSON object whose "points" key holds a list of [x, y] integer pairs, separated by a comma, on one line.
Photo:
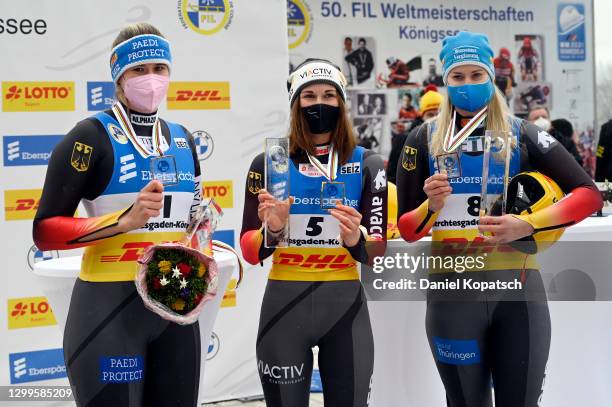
{"points": [[495, 340], [119, 354], [297, 315]]}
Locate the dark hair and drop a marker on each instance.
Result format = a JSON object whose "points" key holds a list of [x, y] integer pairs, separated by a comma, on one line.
{"points": [[363, 40], [564, 127], [348, 38]]}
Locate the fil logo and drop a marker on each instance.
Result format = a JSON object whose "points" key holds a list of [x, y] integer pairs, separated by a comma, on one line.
{"points": [[13, 150], [19, 367], [100, 95], [127, 169]]}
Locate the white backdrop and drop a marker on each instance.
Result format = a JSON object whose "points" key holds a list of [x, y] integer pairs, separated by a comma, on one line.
{"points": [[248, 53]]}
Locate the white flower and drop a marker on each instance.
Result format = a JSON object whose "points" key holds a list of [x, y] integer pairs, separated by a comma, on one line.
{"points": [[183, 283], [176, 273], [163, 281]]}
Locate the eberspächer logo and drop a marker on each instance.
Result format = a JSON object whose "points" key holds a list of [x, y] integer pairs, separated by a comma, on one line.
{"points": [[206, 17], [299, 22]]}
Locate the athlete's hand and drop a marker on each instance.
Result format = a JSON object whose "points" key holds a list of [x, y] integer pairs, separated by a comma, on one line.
{"points": [[272, 211], [437, 189], [505, 228], [350, 220], [148, 204]]}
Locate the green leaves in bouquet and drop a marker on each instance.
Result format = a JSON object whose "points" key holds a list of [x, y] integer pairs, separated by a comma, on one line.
{"points": [[168, 272]]}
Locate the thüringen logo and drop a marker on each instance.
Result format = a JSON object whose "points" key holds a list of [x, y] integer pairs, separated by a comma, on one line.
{"points": [[206, 17], [38, 365], [100, 95], [28, 150]]}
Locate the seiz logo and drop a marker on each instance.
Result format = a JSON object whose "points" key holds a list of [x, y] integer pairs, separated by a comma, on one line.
{"points": [[181, 142], [29, 312], [351, 168], [198, 95], [21, 204], [37, 96], [315, 261], [127, 168]]}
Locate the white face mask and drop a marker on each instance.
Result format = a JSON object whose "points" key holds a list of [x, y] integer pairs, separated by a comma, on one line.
{"points": [[542, 123]]}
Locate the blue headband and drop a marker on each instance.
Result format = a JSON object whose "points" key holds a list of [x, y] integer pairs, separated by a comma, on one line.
{"points": [[142, 49]]}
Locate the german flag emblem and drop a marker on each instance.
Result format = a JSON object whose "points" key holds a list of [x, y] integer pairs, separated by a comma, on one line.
{"points": [[81, 155]]}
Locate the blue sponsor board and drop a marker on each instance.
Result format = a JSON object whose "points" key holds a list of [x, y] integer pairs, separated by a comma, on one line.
{"points": [[456, 351], [37, 365], [121, 369], [225, 236], [100, 95], [571, 36], [28, 150]]}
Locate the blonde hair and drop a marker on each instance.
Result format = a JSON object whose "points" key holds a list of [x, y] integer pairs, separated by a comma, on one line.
{"points": [[498, 119], [125, 34]]}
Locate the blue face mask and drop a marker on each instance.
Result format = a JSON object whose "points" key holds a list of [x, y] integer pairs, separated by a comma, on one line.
{"points": [[471, 97]]}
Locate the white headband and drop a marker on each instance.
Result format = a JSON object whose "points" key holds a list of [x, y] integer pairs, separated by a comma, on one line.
{"points": [[315, 72]]}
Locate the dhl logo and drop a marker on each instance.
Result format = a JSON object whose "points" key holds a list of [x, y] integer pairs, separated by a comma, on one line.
{"points": [[21, 204], [315, 261], [452, 246], [132, 251], [29, 312], [198, 95], [37, 96]]}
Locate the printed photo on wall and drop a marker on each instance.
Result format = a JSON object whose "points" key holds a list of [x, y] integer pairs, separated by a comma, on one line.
{"points": [[371, 104], [532, 94], [358, 56], [505, 75], [530, 57], [432, 70], [408, 102], [369, 132], [400, 73]]}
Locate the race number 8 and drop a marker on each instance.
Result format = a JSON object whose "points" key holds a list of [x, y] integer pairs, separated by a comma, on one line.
{"points": [[473, 205]]}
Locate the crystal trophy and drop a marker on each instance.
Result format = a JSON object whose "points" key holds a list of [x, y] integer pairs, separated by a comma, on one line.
{"points": [[277, 185], [164, 170], [495, 172]]}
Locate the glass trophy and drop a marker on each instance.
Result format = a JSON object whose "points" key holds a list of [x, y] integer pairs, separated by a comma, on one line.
{"points": [[277, 185], [203, 224], [449, 164], [496, 157], [163, 169]]}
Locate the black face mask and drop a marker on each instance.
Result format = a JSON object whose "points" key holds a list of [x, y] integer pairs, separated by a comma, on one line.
{"points": [[321, 118]]}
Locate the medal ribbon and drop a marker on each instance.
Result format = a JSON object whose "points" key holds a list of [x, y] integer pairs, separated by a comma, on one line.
{"points": [[452, 140], [329, 170], [126, 126]]}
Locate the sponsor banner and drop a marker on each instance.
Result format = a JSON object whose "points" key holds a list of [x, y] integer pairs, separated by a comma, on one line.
{"points": [[229, 298], [100, 95], [21, 204], [29, 312], [225, 236], [221, 191], [571, 32], [206, 17], [121, 369], [37, 96], [213, 346], [35, 255], [456, 352], [198, 95], [36, 366], [28, 150]]}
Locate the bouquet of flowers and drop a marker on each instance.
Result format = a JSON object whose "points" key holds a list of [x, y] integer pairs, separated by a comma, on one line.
{"points": [[175, 281]]}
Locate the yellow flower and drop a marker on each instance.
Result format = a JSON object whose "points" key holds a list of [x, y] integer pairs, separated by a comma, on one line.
{"points": [[201, 270], [178, 305], [164, 266]]}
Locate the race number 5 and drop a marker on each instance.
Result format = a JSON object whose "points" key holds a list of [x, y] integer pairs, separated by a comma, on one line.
{"points": [[314, 228]]}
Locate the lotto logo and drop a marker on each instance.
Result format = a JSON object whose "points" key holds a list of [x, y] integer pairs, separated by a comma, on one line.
{"points": [[314, 261], [198, 95], [221, 191], [37, 96], [29, 312]]}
